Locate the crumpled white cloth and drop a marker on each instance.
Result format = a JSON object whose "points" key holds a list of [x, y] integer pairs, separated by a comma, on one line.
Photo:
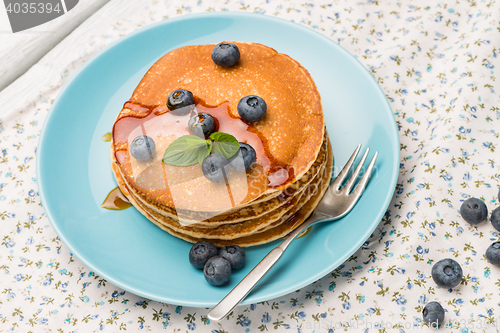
{"points": [[436, 62]]}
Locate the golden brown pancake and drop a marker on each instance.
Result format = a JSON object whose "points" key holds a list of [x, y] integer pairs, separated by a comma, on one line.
{"points": [[298, 213], [250, 207], [245, 213], [290, 134], [247, 227]]}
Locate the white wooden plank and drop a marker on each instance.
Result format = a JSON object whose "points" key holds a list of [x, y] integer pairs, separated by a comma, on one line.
{"points": [[45, 73], [20, 51]]}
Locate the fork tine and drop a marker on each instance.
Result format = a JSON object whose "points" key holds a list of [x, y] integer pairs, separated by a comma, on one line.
{"points": [[341, 176], [364, 180], [348, 186]]}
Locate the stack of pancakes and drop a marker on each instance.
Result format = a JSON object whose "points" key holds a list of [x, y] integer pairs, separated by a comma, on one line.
{"points": [[294, 157]]}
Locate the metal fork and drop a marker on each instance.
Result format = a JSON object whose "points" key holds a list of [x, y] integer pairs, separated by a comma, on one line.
{"points": [[336, 203]]}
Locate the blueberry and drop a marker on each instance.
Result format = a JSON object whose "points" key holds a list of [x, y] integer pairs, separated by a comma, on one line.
{"points": [[493, 254], [143, 148], [433, 314], [225, 54], [247, 154], [474, 211], [495, 218], [234, 254], [200, 253], [213, 167], [202, 124], [180, 100], [217, 271], [447, 273], [252, 108]]}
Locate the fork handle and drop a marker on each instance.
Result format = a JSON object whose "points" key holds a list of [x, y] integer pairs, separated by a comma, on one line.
{"points": [[239, 292], [243, 288]]}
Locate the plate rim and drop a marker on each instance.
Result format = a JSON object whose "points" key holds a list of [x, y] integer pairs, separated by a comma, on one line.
{"points": [[394, 138]]}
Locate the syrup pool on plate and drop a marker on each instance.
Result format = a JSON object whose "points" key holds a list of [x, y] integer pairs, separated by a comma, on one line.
{"points": [[116, 200]]}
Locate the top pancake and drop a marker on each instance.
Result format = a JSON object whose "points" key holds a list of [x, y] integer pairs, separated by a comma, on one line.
{"points": [[292, 130]]}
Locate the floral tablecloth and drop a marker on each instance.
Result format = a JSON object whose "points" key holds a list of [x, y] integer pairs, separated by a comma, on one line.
{"points": [[436, 62]]}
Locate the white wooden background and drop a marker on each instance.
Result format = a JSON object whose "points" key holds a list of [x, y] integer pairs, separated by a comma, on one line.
{"points": [[20, 51], [28, 60]]}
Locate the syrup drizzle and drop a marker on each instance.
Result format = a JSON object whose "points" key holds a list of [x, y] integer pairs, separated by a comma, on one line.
{"points": [[278, 173], [116, 200]]}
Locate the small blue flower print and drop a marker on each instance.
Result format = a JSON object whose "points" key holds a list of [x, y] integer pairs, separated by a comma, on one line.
{"points": [[245, 322], [266, 318], [400, 300]]}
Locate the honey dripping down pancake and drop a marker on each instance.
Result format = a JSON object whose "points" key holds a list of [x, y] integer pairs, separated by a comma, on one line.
{"points": [[290, 144]]}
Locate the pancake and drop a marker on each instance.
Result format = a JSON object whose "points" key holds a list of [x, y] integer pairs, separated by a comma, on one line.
{"points": [[255, 210], [293, 153], [288, 139], [248, 227], [234, 230], [297, 215]]}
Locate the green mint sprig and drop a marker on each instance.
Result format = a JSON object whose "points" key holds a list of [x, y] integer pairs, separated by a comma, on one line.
{"points": [[191, 149]]}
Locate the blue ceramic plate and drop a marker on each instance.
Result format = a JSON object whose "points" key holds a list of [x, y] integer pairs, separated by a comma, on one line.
{"points": [[74, 172]]}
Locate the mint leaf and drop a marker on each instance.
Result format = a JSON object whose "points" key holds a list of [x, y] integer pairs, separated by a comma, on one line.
{"points": [[186, 150], [191, 149], [191, 140], [209, 143], [202, 156], [224, 144], [222, 137]]}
